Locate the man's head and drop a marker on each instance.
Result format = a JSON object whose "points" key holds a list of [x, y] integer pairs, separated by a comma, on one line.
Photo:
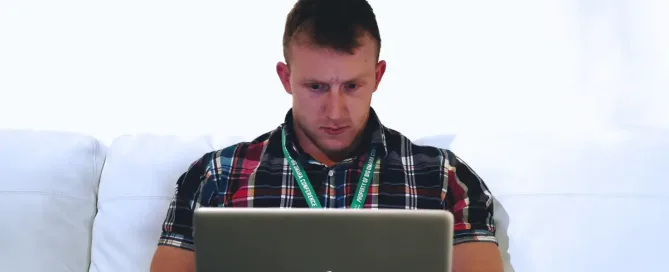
{"points": [[332, 68]]}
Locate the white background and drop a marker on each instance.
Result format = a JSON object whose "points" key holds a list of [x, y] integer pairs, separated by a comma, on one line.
{"points": [[106, 68]]}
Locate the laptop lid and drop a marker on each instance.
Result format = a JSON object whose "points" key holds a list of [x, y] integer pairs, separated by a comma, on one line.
{"points": [[322, 240]]}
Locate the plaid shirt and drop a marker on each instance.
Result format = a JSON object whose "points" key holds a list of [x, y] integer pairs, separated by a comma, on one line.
{"points": [[406, 176]]}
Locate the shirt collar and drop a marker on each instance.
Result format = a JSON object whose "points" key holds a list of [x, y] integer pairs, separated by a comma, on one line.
{"points": [[374, 134]]}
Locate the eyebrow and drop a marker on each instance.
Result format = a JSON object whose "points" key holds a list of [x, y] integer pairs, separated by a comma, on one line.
{"points": [[355, 78]]}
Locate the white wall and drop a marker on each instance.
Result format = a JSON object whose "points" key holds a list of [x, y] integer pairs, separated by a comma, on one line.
{"points": [[589, 81], [188, 67]]}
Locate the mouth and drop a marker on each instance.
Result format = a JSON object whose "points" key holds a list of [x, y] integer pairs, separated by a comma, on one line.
{"points": [[334, 130]]}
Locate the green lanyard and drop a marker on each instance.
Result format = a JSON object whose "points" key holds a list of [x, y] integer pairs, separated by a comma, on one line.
{"points": [[308, 191]]}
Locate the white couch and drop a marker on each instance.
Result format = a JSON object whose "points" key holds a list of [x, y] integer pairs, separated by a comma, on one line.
{"points": [[70, 203]]}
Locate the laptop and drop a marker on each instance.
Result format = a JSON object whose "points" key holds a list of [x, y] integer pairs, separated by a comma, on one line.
{"points": [[322, 240]]}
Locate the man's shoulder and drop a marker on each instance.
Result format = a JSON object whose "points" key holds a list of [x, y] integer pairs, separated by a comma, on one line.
{"points": [[204, 176], [402, 146], [241, 153]]}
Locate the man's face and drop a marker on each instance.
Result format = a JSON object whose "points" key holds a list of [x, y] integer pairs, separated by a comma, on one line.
{"points": [[332, 91]]}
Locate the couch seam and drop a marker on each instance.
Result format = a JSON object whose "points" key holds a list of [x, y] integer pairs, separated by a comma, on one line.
{"points": [[604, 195], [117, 198], [46, 193]]}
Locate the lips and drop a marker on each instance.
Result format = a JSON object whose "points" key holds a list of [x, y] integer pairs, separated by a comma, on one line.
{"points": [[334, 130]]}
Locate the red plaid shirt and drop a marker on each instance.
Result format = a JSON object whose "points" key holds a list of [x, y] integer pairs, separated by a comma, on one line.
{"points": [[406, 176]]}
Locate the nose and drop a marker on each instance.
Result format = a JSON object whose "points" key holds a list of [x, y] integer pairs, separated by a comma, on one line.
{"points": [[336, 106]]}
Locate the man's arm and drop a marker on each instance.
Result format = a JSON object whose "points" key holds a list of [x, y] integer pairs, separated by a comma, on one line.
{"points": [[468, 198], [176, 248], [477, 257], [172, 259]]}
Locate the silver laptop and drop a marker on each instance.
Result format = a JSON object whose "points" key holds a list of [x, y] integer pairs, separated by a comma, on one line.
{"points": [[322, 240]]}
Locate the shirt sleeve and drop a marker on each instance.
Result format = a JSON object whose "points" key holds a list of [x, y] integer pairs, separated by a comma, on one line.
{"points": [[177, 230], [467, 197]]}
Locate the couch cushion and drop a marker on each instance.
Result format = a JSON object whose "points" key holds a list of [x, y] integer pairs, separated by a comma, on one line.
{"points": [[136, 186], [568, 203], [48, 197]]}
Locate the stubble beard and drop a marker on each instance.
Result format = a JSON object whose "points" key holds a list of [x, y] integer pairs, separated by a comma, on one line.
{"points": [[333, 154]]}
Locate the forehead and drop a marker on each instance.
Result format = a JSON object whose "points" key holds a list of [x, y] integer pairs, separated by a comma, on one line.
{"points": [[310, 60]]}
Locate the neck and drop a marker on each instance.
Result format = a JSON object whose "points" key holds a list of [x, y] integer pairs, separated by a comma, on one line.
{"points": [[324, 157]]}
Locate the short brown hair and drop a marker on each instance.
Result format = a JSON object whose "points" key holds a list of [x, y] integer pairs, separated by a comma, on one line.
{"points": [[336, 24]]}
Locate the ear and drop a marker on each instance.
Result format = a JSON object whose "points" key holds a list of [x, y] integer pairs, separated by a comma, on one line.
{"points": [[380, 70], [284, 75]]}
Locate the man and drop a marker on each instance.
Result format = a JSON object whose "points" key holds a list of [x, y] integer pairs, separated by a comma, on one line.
{"points": [[331, 49]]}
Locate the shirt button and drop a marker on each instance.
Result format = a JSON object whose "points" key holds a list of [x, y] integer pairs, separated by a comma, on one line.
{"points": [[331, 173]]}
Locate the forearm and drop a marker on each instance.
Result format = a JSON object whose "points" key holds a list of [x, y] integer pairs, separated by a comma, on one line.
{"points": [[477, 257]]}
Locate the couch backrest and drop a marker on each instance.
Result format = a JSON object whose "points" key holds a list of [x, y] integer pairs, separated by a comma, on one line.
{"points": [[136, 187], [562, 203], [48, 188], [586, 203]]}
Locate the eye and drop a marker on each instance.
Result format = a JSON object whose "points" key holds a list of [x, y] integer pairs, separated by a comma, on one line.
{"points": [[316, 87], [351, 86]]}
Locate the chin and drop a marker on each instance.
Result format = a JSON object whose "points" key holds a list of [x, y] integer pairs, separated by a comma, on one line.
{"points": [[335, 146]]}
